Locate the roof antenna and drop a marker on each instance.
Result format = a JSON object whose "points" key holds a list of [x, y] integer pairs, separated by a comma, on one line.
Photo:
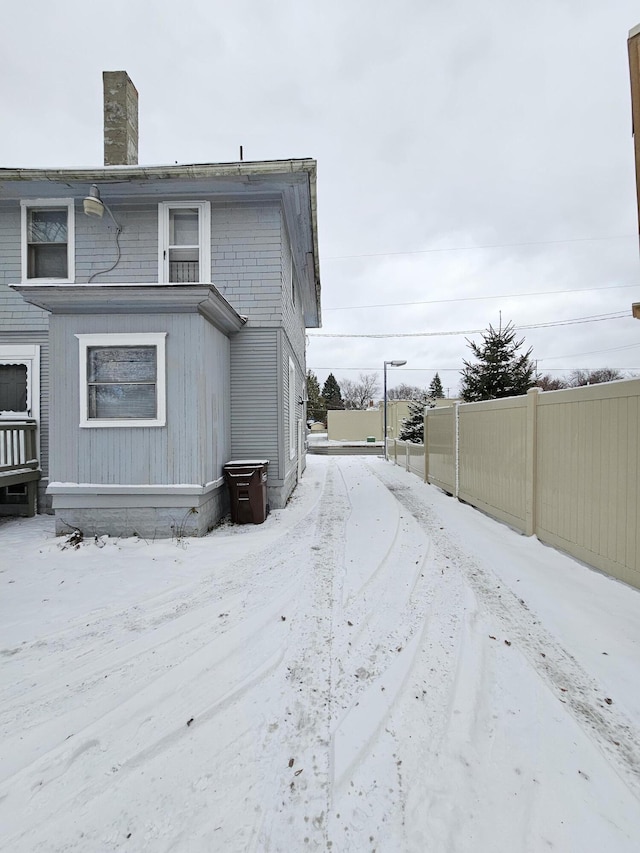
{"points": [[241, 154]]}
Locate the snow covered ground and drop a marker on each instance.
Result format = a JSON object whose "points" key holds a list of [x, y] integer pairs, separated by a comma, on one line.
{"points": [[375, 668]]}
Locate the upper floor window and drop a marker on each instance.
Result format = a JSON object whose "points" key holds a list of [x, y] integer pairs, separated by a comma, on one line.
{"points": [[184, 241], [48, 239]]}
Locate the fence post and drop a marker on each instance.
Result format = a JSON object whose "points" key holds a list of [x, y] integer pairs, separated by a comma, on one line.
{"points": [[531, 462], [425, 442], [456, 441]]}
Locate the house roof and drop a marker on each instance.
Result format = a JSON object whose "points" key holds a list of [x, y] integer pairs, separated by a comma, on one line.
{"points": [[294, 181]]}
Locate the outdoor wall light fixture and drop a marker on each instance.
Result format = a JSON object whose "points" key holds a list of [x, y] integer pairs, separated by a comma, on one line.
{"points": [[384, 434], [94, 206]]}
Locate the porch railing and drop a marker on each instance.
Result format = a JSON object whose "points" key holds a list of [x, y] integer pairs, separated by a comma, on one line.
{"points": [[19, 466]]}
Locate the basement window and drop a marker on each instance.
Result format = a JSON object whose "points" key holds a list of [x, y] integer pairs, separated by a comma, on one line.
{"points": [[122, 380], [48, 240]]}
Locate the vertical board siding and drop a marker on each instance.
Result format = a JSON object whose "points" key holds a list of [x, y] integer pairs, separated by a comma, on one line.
{"points": [[186, 450], [255, 414], [442, 447]]}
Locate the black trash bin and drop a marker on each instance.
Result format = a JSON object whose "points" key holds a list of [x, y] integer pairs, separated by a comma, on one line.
{"points": [[247, 481]]}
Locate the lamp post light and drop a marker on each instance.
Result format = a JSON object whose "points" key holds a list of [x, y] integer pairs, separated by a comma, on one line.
{"points": [[393, 364]]}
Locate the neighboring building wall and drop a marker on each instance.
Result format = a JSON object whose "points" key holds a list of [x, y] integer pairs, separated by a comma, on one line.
{"points": [[350, 425], [397, 412], [358, 425]]}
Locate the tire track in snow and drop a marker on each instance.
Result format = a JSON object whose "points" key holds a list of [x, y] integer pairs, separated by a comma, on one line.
{"points": [[616, 737], [296, 815], [165, 636], [376, 656]]}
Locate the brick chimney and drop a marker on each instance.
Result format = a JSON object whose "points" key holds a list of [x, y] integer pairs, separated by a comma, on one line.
{"points": [[120, 119]]}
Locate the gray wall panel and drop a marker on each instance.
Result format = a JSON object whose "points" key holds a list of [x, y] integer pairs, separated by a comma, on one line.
{"points": [[254, 396], [190, 449]]}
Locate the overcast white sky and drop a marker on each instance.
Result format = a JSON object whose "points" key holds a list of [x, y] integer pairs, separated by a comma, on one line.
{"points": [[469, 154]]}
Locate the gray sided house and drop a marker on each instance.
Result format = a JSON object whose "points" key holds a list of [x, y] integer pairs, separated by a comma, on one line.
{"points": [[152, 322]]}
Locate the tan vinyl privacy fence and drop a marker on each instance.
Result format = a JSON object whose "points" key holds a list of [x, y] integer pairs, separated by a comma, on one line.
{"points": [[563, 465], [410, 456]]}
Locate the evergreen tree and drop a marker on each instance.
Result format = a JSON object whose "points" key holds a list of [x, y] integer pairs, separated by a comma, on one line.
{"points": [[436, 391], [316, 409], [413, 426], [501, 370], [331, 393]]}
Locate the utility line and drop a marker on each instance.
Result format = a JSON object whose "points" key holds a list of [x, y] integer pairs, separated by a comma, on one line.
{"points": [[454, 369], [577, 321], [478, 298], [485, 246], [591, 352]]}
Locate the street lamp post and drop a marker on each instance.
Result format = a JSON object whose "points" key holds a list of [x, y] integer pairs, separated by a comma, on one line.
{"points": [[393, 364]]}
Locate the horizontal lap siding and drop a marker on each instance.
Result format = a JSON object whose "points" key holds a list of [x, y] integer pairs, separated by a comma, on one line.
{"points": [[177, 453], [15, 314], [255, 413], [246, 247], [96, 247]]}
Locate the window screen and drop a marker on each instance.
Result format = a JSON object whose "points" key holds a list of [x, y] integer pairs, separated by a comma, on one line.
{"points": [[47, 239], [122, 382], [13, 387], [184, 245]]}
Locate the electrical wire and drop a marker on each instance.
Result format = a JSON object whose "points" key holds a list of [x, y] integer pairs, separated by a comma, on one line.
{"points": [[119, 255], [596, 318], [478, 298], [485, 246]]}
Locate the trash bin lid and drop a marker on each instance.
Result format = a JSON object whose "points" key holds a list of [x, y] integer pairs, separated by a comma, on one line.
{"points": [[248, 462]]}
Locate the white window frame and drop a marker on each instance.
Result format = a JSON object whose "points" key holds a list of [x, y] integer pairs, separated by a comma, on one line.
{"points": [[204, 235], [29, 356], [292, 409], [157, 339], [25, 205]]}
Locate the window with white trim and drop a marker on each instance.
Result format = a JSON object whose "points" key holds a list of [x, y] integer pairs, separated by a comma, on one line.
{"points": [[20, 381], [48, 237], [184, 242], [123, 380], [292, 409]]}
